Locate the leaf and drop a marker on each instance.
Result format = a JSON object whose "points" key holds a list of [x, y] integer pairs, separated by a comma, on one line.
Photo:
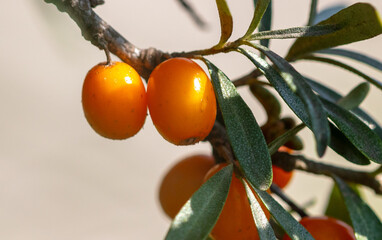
{"points": [[226, 22], [264, 228], [338, 141], [336, 207], [244, 133], [270, 103], [285, 137], [313, 12], [355, 97], [355, 56], [359, 22], [293, 228], [316, 114], [295, 32], [373, 81], [365, 223], [356, 131], [328, 12], [200, 213], [260, 8], [333, 96]]}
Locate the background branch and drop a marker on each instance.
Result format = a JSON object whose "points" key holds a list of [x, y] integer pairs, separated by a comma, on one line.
{"points": [[101, 34]]}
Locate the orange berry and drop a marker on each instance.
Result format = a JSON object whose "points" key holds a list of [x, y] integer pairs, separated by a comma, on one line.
{"points": [[281, 177], [324, 228], [114, 100], [181, 181], [236, 220], [181, 101]]}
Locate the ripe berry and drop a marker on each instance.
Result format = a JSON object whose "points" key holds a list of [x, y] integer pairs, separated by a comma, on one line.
{"points": [[181, 101], [181, 181], [114, 100]]}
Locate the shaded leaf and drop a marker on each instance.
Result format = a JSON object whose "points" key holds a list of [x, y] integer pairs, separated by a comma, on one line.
{"points": [[264, 228], [293, 228], [260, 8], [226, 22], [244, 133], [355, 97], [328, 12], [358, 22], [365, 222], [372, 62], [313, 12], [295, 32], [270, 103], [316, 114], [285, 137], [266, 23], [200, 213], [333, 96], [338, 141], [336, 207], [373, 81], [356, 131]]}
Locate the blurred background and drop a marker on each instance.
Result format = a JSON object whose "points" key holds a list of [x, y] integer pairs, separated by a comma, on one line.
{"points": [[59, 179]]}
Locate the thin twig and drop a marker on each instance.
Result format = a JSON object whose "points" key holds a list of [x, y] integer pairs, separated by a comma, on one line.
{"points": [[277, 190]]}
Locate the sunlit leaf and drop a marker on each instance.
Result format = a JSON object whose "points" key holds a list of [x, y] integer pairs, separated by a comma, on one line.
{"points": [[260, 8], [365, 222], [226, 22], [200, 213], [293, 228], [356, 131], [296, 83], [264, 228], [358, 22], [244, 133]]}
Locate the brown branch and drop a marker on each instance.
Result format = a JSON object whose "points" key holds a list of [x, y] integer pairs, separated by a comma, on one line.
{"points": [[99, 33], [279, 192], [289, 162]]}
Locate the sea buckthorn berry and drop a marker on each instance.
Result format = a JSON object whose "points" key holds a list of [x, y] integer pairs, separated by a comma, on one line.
{"points": [[114, 100], [236, 220], [324, 228], [181, 101], [181, 181], [281, 177]]}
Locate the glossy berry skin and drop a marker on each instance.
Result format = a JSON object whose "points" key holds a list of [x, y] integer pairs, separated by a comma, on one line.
{"points": [[281, 177], [181, 101], [236, 220], [325, 228], [114, 100], [181, 181]]}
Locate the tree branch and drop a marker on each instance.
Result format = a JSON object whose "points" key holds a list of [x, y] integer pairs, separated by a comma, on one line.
{"points": [[100, 34], [289, 162]]}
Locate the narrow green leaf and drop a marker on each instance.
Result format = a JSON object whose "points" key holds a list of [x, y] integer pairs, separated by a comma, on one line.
{"points": [[355, 97], [317, 114], [356, 131], [295, 32], [333, 96], [270, 103], [336, 207], [372, 62], [266, 23], [264, 228], [260, 8], [244, 133], [285, 137], [365, 222], [226, 22], [293, 228], [313, 12], [200, 213], [339, 143], [373, 81], [358, 22]]}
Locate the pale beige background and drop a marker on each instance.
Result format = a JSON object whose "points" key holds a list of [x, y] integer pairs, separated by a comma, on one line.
{"points": [[58, 179]]}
